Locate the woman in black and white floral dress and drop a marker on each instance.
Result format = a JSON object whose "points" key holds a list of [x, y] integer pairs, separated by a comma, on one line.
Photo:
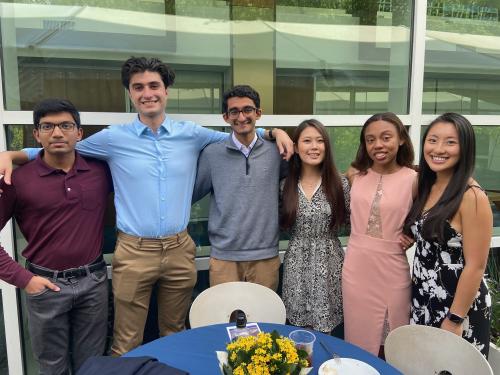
{"points": [[315, 202], [452, 222]]}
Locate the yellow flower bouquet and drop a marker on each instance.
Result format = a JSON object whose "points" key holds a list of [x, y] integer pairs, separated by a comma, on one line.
{"points": [[264, 354]]}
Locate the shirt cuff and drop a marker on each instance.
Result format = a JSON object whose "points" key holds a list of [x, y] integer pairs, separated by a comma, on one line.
{"points": [[22, 278]]}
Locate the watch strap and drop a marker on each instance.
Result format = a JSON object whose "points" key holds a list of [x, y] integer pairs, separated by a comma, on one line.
{"points": [[454, 318], [271, 133]]}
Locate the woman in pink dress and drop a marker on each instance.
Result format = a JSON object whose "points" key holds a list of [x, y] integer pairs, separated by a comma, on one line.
{"points": [[376, 283]]}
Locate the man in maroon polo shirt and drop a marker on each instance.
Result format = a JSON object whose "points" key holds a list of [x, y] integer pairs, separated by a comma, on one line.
{"points": [[58, 200]]}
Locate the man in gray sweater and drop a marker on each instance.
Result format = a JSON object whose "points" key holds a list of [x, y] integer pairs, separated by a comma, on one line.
{"points": [[242, 176]]}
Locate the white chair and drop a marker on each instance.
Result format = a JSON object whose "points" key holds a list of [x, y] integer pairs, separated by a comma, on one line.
{"points": [[417, 350], [494, 358], [215, 304]]}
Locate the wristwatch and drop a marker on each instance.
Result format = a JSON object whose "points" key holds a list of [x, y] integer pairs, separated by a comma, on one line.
{"points": [[454, 318], [271, 134]]}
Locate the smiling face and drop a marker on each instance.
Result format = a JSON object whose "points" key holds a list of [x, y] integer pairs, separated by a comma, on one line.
{"points": [[442, 148], [243, 125], [311, 147], [57, 143], [382, 143], [149, 96]]}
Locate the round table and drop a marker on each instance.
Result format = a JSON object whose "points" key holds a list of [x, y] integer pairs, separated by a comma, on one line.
{"points": [[193, 350]]}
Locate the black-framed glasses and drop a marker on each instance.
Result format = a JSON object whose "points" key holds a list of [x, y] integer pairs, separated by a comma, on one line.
{"points": [[235, 112], [48, 127]]}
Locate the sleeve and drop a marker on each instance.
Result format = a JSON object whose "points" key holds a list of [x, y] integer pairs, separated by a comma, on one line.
{"points": [[31, 152], [208, 136], [10, 271], [203, 184], [97, 145]]}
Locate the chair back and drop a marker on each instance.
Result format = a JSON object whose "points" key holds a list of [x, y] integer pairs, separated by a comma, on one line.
{"points": [[215, 305], [418, 349], [494, 358]]}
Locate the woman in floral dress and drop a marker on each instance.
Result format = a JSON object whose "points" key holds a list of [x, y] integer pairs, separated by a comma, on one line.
{"points": [[315, 203], [452, 222]]}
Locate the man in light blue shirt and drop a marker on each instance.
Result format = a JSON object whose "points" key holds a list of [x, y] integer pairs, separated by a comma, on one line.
{"points": [[153, 164]]}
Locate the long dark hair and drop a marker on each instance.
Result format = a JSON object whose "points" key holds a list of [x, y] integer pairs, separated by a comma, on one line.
{"points": [[449, 202], [405, 155], [330, 181]]}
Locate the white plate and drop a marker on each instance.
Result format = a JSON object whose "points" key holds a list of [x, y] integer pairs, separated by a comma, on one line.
{"points": [[347, 366]]}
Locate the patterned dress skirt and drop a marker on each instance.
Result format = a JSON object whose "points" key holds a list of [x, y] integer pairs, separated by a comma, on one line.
{"points": [[436, 270]]}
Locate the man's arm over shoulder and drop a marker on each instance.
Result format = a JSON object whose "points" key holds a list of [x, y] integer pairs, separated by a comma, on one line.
{"points": [[203, 183], [6, 160], [97, 145], [208, 136]]}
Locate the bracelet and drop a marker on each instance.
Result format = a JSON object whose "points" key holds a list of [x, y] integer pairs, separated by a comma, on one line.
{"points": [[271, 134]]}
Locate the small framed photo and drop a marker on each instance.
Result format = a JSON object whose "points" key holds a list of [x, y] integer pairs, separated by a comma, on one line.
{"points": [[251, 329]]}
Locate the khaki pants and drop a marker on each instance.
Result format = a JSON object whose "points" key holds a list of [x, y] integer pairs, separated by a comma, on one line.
{"points": [[264, 272], [139, 263]]}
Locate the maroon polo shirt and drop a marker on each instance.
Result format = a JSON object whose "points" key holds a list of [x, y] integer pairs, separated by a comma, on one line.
{"points": [[60, 214]]}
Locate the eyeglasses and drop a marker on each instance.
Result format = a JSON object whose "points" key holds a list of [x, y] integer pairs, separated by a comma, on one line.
{"points": [[235, 112], [48, 127]]}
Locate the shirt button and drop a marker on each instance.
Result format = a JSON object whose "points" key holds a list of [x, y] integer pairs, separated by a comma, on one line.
{"points": [[163, 199], [163, 218], [68, 189]]}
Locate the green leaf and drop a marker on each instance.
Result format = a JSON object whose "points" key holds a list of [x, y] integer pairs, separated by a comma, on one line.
{"points": [[302, 354], [226, 370], [275, 335]]}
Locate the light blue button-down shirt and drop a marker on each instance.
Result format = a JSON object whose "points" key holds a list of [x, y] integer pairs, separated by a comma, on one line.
{"points": [[153, 174]]}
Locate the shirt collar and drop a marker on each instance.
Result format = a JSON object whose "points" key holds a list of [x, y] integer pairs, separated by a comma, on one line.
{"points": [[240, 146], [141, 128], [44, 169]]}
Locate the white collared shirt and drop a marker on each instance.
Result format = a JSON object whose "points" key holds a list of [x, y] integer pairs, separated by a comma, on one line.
{"points": [[244, 149]]}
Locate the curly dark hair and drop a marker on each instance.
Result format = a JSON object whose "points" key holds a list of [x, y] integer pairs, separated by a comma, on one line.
{"points": [[143, 64], [240, 91]]}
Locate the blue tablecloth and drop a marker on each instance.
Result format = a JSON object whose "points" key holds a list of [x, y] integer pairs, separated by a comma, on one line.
{"points": [[194, 350]]}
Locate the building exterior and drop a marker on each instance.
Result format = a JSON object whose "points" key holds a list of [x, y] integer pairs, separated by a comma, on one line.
{"points": [[335, 60]]}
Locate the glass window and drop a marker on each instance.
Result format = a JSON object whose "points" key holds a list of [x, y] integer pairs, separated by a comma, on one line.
{"points": [[331, 57], [462, 73], [342, 57], [487, 170]]}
